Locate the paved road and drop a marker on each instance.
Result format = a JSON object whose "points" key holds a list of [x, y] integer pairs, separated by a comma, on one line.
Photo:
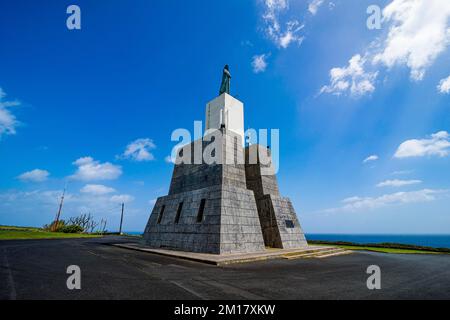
{"points": [[36, 269]]}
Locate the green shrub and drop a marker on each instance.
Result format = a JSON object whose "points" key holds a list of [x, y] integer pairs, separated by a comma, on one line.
{"points": [[71, 229], [55, 227]]}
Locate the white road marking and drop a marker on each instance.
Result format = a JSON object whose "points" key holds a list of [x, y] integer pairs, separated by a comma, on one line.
{"points": [[178, 266], [195, 293]]}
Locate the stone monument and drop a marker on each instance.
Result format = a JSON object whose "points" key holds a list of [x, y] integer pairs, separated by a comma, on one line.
{"points": [[225, 203]]}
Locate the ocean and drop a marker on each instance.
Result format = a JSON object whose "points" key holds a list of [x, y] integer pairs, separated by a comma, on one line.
{"points": [[436, 241], [134, 233]]}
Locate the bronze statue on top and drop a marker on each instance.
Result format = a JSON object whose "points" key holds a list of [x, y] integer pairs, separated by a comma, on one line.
{"points": [[226, 77]]}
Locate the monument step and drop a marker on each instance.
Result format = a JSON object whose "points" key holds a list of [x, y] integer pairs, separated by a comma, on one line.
{"points": [[311, 249], [317, 253], [225, 259], [339, 253]]}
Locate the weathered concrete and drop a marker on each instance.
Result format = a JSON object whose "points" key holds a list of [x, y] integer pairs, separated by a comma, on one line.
{"points": [[222, 200], [229, 221], [279, 223], [225, 259]]}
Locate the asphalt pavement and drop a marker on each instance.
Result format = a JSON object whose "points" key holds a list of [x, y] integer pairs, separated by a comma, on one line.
{"points": [[37, 269]]}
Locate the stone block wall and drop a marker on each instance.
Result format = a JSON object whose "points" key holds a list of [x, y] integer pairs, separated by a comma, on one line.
{"points": [[289, 229], [242, 209], [187, 234], [279, 222], [230, 221], [240, 228]]}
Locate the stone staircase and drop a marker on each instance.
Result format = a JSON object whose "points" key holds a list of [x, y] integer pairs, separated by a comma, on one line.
{"points": [[225, 259], [316, 252]]}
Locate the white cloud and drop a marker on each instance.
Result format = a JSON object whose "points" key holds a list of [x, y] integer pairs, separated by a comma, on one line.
{"points": [[43, 203], [314, 5], [8, 121], [353, 204], [444, 85], [284, 35], [97, 189], [246, 43], [259, 63], [36, 175], [402, 172], [398, 183], [437, 145], [139, 150], [47, 197], [169, 159], [418, 33], [122, 198], [352, 79], [90, 169], [373, 157]]}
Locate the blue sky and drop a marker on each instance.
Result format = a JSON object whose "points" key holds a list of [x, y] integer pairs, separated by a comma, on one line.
{"points": [[364, 115]]}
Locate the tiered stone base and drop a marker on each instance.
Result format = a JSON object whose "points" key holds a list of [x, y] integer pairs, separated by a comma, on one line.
{"points": [[230, 222], [224, 207]]}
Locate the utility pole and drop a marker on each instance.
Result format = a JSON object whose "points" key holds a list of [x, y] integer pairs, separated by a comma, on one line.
{"points": [[121, 219], [55, 224]]}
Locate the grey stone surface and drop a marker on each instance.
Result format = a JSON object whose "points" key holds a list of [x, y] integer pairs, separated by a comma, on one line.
{"points": [[243, 211], [279, 222], [230, 220]]}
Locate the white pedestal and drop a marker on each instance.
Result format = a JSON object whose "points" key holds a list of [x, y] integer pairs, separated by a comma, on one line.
{"points": [[228, 111]]}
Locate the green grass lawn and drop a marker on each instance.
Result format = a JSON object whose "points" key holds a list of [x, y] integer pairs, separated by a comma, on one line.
{"points": [[387, 250], [21, 233], [378, 248]]}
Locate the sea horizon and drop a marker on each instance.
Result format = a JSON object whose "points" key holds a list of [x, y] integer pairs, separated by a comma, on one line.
{"points": [[426, 240], [355, 234]]}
